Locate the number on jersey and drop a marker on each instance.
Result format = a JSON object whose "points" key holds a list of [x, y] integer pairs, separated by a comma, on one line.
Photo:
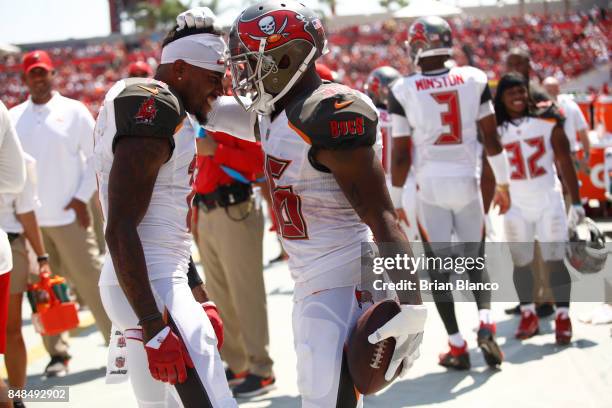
{"points": [[287, 205], [520, 167], [451, 117]]}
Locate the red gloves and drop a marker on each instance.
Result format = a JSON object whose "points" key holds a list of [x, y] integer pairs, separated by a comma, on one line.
{"points": [[213, 315], [168, 357]]}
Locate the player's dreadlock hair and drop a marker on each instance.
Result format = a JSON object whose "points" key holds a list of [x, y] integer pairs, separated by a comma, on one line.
{"points": [[175, 34]]}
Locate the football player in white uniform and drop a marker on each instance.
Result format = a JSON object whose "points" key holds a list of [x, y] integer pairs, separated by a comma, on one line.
{"points": [[443, 110], [534, 142], [328, 189], [144, 147], [377, 87]]}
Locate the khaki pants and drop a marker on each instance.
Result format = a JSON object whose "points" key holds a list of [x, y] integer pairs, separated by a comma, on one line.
{"points": [[97, 222], [73, 254], [232, 256]]}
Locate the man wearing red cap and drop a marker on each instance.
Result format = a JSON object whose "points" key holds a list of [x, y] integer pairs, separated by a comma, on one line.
{"points": [[140, 69], [58, 133]]}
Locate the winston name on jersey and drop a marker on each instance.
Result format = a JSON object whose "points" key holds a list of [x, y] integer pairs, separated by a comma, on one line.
{"points": [[443, 109]]}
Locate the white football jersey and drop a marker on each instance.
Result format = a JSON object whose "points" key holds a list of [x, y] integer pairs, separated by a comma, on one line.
{"points": [[531, 158], [320, 230], [442, 110], [163, 230]]}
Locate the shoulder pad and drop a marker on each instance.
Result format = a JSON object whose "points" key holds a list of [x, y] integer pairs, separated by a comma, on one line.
{"points": [[550, 113], [334, 117], [147, 109]]}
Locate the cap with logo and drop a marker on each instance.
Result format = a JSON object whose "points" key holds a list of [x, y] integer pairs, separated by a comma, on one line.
{"points": [[37, 59]]}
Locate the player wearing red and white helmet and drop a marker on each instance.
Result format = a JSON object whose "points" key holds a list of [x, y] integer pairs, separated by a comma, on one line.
{"points": [[328, 190], [443, 109]]}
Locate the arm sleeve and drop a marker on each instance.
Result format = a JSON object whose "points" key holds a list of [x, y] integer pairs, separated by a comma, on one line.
{"points": [[87, 184], [246, 159], [142, 113], [12, 166], [27, 200], [229, 117]]}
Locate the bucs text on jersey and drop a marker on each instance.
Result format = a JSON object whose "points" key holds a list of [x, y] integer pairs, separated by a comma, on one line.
{"points": [[148, 108], [442, 109], [321, 231]]}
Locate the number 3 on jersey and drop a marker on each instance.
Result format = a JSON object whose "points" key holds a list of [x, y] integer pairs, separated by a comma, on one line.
{"points": [[451, 117], [287, 205]]}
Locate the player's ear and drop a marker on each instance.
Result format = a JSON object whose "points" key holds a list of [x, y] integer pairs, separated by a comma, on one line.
{"points": [[179, 69]]}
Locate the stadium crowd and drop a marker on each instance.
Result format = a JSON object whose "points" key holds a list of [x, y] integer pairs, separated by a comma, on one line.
{"points": [[562, 46]]}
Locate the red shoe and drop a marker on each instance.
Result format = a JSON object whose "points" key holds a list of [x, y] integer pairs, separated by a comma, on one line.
{"points": [[529, 325], [563, 329], [457, 358], [486, 341]]}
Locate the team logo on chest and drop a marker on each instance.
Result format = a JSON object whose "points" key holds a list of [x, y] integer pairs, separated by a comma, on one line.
{"points": [[146, 112]]}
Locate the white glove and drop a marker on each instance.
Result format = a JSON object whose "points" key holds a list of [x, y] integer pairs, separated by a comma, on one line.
{"points": [[197, 17], [575, 215], [407, 328]]}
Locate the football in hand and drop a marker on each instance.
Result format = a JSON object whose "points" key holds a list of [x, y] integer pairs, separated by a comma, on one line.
{"points": [[368, 363]]}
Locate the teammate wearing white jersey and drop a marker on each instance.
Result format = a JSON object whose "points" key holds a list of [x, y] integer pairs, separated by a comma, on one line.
{"points": [[534, 142], [329, 194], [377, 87], [443, 110], [144, 146]]}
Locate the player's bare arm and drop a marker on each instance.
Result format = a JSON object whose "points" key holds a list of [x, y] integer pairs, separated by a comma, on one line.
{"points": [[400, 167], [132, 178], [364, 187], [565, 163], [496, 157], [487, 184]]}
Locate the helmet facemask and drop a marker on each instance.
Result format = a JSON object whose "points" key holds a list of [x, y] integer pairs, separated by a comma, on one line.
{"points": [[254, 75]]}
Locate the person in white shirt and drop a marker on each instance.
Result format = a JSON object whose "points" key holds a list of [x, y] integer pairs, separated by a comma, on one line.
{"points": [[18, 220], [12, 178], [58, 133], [575, 126]]}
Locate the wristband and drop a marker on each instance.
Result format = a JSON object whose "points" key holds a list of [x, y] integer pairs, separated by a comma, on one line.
{"points": [[151, 317], [396, 196], [499, 165], [209, 303], [42, 258], [503, 187]]}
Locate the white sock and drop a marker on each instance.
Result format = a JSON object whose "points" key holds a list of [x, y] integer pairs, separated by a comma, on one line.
{"points": [[456, 340], [562, 311], [485, 316], [528, 307]]}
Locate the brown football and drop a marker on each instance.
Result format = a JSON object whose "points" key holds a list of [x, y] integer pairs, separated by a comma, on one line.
{"points": [[368, 363]]}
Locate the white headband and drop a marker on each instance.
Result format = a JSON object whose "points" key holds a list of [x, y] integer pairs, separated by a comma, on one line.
{"points": [[202, 50]]}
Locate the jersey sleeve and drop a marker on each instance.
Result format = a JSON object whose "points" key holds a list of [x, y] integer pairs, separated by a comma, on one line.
{"points": [[485, 105], [400, 126], [336, 118], [147, 110]]}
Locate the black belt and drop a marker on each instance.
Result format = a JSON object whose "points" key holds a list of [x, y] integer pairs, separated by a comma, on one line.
{"points": [[12, 236], [224, 196]]}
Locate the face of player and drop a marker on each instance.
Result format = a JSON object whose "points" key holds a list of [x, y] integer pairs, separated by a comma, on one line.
{"points": [[202, 87], [517, 63], [39, 82], [515, 100]]}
